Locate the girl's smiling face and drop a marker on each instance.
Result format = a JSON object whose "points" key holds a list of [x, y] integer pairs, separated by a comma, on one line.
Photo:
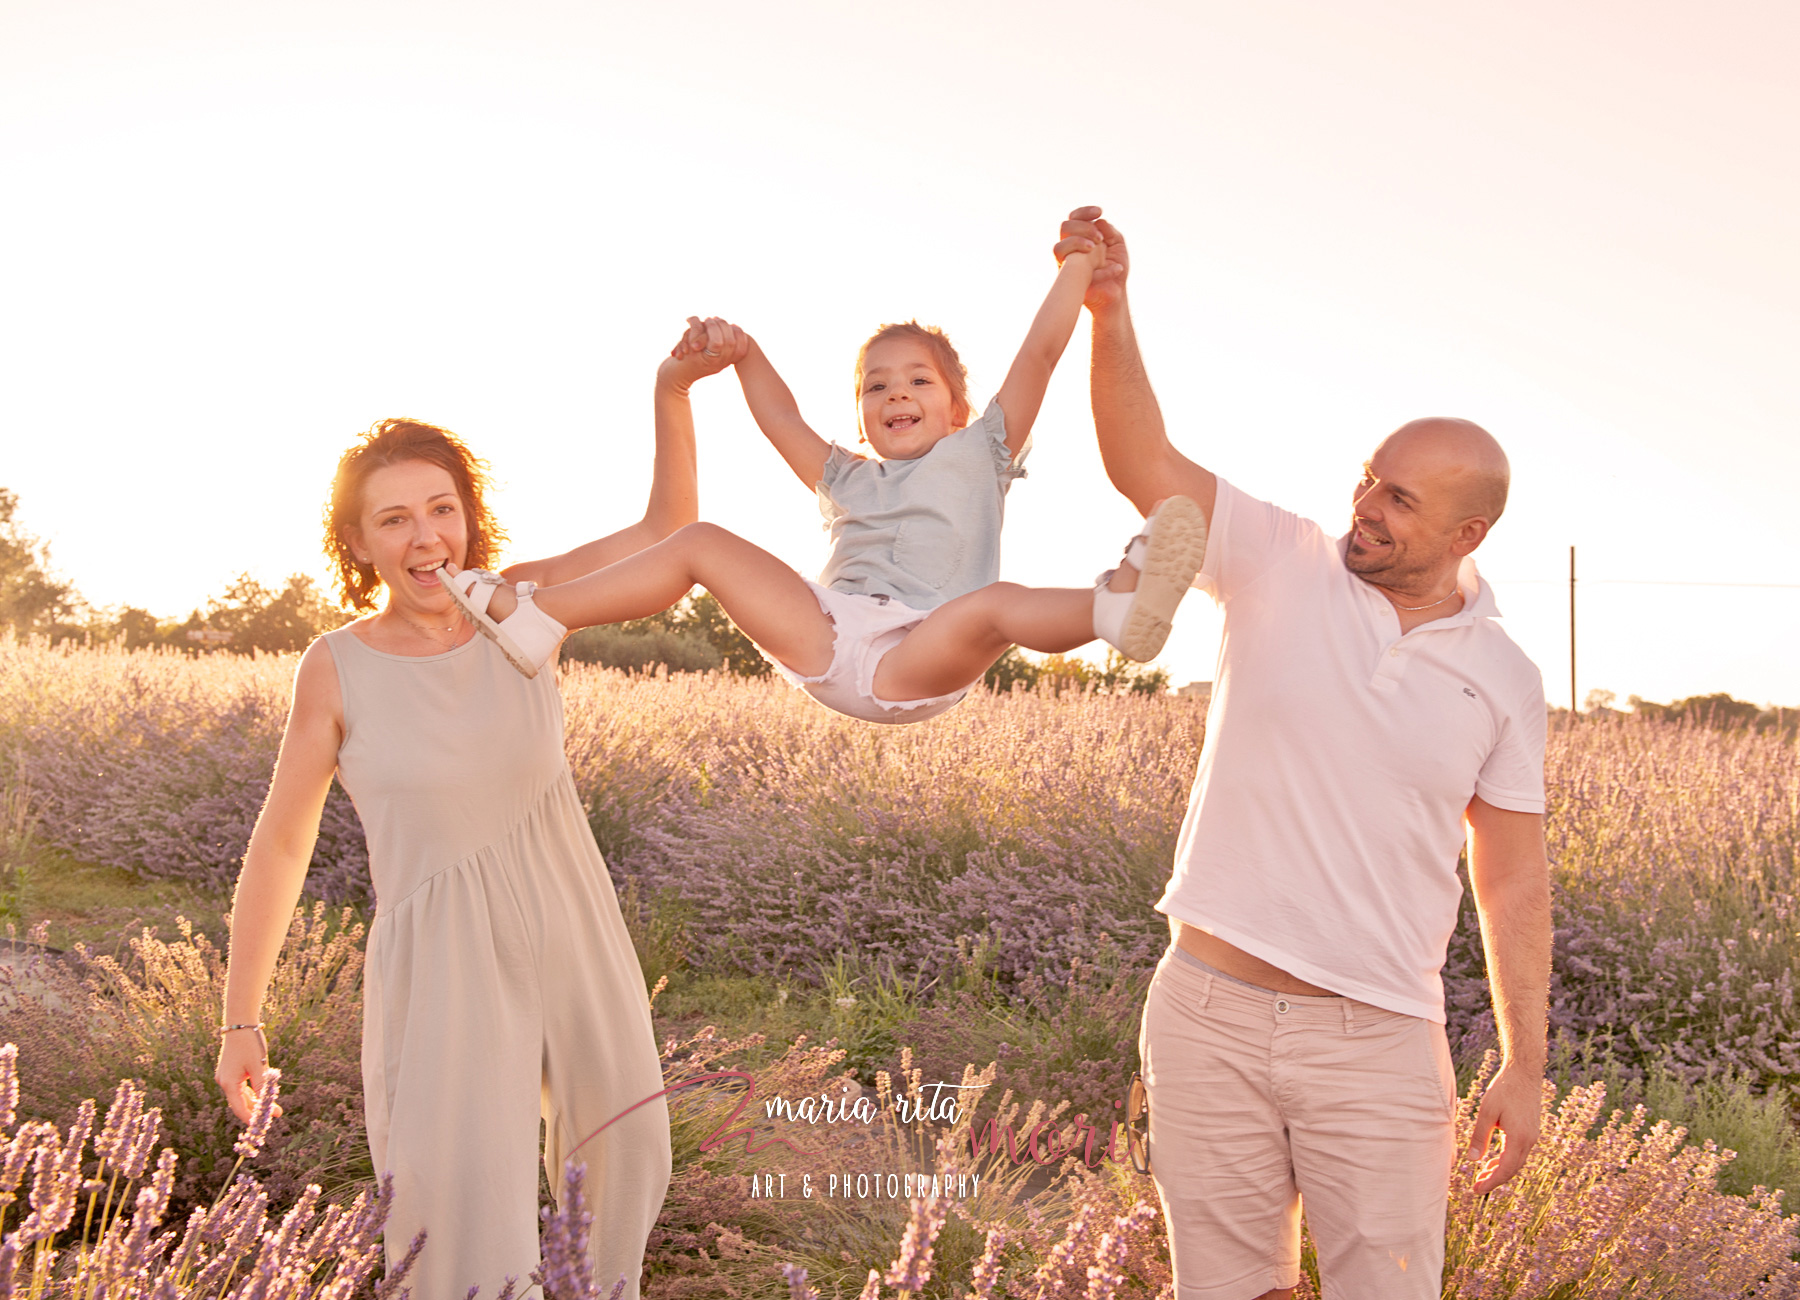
{"points": [[412, 521], [907, 406]]}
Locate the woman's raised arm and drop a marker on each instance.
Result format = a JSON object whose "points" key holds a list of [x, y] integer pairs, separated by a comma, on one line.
{"points": [[275, 867], [674, 481]]}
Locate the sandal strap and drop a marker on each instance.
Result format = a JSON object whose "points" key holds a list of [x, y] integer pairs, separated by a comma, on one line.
{"points": [[477, 587]]}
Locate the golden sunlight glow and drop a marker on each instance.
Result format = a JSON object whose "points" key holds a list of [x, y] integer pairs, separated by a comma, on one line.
{"points": [[239, 234]]}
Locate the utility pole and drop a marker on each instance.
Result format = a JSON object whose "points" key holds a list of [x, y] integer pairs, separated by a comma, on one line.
{"points": [[1572, 701]]}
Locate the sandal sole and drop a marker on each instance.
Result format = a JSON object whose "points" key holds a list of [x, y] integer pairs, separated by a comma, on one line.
{"points": [[1173, 555], [491, 630]]}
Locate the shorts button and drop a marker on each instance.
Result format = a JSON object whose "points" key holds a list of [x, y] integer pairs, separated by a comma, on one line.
{"points": [[1281, 1006]]}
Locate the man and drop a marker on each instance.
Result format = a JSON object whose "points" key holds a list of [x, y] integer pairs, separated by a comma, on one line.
{"points": [[1367, 710]]}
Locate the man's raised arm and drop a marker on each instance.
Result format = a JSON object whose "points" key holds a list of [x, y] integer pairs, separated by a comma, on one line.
{"points": [[1140, 460]]}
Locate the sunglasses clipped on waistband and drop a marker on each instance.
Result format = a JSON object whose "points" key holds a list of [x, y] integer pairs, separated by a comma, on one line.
{"points": [[1137, 1124]]}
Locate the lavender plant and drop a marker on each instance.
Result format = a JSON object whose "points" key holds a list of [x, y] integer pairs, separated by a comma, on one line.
{"points": [[759, 834], [91, 1020], [1625, 1210], [810, 835], [779, 832], [158, 762], [95, 1226], [1675, 855]]}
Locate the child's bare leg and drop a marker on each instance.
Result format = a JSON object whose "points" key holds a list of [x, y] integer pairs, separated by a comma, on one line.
{"points": [[763, 596], [963, 637]]}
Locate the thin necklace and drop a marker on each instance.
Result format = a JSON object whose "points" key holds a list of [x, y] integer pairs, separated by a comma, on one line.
{"points": [[1414, 609], [428, 631]]}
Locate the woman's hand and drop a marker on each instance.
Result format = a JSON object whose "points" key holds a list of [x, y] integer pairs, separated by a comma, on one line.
{"points": [[243, 1059], [705, 348]]}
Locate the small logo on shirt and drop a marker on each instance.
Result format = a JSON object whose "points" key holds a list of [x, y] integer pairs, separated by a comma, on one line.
{"points": [[1471, 694]]}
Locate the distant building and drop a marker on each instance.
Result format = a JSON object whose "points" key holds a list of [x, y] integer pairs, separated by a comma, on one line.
{"points": [[1200, 691]]}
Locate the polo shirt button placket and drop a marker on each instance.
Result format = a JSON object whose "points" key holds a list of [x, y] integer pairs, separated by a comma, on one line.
{"points": [[1388, 674]]}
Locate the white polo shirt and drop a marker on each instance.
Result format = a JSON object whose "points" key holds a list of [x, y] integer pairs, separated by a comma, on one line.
{"points": [[1326, 818]]}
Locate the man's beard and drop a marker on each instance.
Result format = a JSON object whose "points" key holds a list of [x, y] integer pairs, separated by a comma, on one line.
{"points": [[1390, 567]]}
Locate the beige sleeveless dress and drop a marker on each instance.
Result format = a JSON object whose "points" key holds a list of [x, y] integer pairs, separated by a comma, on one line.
{"points": [[500, 982]]}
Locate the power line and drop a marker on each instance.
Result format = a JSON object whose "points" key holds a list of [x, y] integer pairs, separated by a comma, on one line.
{"points": [[1635, 582]]}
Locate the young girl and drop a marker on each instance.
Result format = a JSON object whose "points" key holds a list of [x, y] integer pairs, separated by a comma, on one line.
{"points": [[907, 614]]}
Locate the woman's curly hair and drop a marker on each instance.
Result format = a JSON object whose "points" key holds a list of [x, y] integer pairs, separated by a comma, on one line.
{"points": [[955, 373], [393, 442]]}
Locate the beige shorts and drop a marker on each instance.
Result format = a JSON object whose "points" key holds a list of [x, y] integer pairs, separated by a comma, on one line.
{"points": [[867, 627], [1258, 1100]]}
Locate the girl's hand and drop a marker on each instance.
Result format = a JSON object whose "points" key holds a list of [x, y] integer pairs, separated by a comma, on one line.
{"points": [[1081, 249], [705, 348], [243, 1058], [1086, 232]]}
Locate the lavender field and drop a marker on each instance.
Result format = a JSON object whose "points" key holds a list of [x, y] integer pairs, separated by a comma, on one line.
{"points": [[997, 868], [781, 834]]}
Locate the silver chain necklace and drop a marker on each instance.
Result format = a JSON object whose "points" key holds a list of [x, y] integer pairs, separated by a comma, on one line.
{"points": [[1414, 609]]}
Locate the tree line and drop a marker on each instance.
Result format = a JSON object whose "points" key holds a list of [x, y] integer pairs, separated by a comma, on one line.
{"points": [[1719, 710], [36, 601]]}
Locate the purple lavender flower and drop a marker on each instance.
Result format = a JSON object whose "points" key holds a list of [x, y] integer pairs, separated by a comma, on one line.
{"points": [[120, 1131], [56, 1179], [985, 1275], [798, 1289], [566, 1272], [137, 1155], [1107, 1273], [9, 1084], [250, 1141], [911, 1268], [17, 1154]]}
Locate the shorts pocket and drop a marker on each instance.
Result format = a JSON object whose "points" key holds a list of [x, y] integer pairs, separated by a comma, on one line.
{"points": [[1437, 1072]]}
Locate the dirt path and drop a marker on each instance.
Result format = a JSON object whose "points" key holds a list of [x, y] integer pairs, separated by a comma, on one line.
{"points": [[22, 971]]}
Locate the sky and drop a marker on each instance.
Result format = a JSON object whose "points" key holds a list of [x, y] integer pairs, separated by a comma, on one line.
{"points": [[234, 235]]}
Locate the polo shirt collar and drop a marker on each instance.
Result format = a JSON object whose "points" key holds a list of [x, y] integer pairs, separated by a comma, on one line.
{"points": [[1478, 596]]}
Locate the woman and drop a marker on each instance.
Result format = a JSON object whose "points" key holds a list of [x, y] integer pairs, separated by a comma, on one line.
{"points": [[500, 982]]}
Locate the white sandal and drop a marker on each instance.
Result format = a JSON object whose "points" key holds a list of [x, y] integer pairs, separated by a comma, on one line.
{"points": [[1167, 555], [527, 636]]}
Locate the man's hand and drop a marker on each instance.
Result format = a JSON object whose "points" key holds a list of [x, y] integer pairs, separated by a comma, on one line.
{"points": [[705, 348], [1085, 226], [1513, 1106]]}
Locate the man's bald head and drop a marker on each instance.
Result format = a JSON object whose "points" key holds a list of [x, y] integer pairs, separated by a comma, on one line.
{"points": [[1464, 457]]}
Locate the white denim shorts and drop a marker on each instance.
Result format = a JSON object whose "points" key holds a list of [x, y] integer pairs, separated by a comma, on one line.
{"points": [[866, 628]]}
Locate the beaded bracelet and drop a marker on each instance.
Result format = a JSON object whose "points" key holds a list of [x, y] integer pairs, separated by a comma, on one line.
{"points": [[226, 1029]]}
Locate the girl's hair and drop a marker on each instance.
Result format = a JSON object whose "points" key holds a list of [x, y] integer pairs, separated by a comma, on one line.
{"points": [[938, 344], [393, 442]]}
